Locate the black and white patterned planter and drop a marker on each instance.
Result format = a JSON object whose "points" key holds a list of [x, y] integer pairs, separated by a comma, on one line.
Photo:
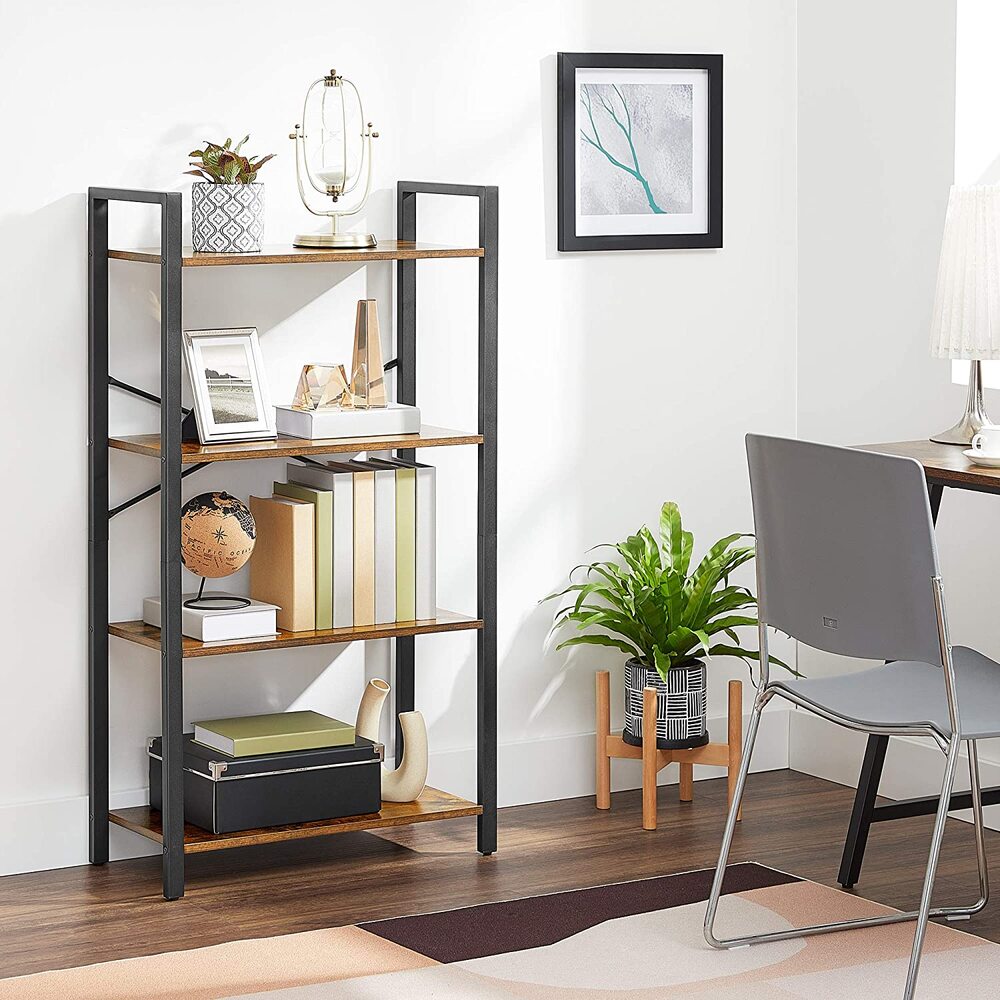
{"points": [[680, 705], [227, 218]]}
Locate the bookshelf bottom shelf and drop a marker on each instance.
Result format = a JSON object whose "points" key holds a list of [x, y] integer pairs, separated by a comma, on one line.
{"points": [[433, 804]]}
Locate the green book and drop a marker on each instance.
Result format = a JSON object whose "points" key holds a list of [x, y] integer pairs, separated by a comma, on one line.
{"points": [[322, 501], [406, 544], [281, 732]]}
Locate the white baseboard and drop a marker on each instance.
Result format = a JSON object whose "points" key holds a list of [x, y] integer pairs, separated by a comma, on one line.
{"points": [[35, 836], [912, 767]]}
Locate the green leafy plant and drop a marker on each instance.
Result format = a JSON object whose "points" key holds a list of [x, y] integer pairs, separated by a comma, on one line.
{"points": [[225, 164], [650, 606]]}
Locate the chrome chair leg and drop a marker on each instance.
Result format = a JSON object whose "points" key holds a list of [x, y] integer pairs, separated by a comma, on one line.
{"points": [[920, 915], [975, 784], [734, 811], [932, 860]]}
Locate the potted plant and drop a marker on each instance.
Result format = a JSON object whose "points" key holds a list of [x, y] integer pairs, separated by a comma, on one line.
{"points": [[666, 619], [227, 205]]}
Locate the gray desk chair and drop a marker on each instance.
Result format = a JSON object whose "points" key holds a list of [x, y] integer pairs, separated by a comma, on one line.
{"points": [[846, 562]]}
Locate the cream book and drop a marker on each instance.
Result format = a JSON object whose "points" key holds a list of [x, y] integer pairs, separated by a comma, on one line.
{"points": [[322, 503], [282, 568], [338, 477], [364, 543], [281, 732]]}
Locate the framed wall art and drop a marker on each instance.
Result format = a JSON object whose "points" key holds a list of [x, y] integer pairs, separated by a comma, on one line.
{"points": [[639, 151], [231, 398]]}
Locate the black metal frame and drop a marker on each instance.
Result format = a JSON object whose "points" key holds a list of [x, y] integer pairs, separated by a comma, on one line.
{"points": [[865, 812], [486, 555], [169, 488], [171, 680], [567, 148]]}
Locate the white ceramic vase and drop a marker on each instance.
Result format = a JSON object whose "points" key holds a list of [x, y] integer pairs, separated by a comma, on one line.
{"points": [[407, 781]]}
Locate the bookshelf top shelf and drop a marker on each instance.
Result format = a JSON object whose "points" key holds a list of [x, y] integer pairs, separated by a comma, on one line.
{"points": [[287, 447], [287, 254]]}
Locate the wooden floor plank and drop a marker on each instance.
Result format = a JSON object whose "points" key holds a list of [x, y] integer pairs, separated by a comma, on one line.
{"points": [[792, 822]]}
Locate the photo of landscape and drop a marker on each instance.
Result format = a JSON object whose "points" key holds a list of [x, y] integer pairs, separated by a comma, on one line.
{"points": [[230, 386]]}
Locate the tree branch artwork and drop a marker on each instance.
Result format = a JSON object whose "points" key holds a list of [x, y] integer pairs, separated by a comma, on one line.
{"points": [[624, 124]]}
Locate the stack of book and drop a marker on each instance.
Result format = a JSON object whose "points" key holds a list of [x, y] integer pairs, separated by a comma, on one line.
{"points": [[219, 624], [347, 544]]}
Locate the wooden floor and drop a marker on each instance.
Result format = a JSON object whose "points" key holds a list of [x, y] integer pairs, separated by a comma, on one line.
{"points": [[793, 822]]}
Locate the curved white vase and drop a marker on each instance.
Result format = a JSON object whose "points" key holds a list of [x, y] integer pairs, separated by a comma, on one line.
{"points": [[407, 781]]}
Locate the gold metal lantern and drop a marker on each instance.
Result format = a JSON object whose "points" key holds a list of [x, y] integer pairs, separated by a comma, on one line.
{"points": [[333, 156]]}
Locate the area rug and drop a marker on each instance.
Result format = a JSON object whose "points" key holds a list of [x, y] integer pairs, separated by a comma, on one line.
{"points": [[630, 941]]}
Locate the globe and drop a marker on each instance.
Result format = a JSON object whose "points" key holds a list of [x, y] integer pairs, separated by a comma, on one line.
{"points": [[217, 534]]}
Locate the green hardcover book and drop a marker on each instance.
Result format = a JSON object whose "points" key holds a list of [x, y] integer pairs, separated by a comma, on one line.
{"points": [[281, 732], [322, 500], [406, 544]]}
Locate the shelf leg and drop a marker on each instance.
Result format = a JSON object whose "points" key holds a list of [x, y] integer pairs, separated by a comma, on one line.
{"points": [[735, 738], [649, 758], [404, 694], [97, 646], [603, 727], [487, 518], [172, 680], [406, 295]]}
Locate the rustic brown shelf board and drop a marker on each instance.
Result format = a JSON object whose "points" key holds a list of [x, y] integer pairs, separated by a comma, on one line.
{"points": [[286, 254], [432, 805], [149, 635], [287, 447]]}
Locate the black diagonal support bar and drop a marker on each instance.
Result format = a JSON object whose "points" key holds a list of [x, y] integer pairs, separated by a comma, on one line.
{"points": [[172, 696], [117, 383], [486, 562], [153, 490]]}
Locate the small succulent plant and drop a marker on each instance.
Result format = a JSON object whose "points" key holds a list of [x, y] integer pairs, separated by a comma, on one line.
{"points": [[225, 164]]}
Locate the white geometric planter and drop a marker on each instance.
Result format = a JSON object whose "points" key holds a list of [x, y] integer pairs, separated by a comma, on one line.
{"points": [[227, 218], [680, 705]]}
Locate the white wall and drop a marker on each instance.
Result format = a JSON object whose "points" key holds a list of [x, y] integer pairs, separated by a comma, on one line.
{"points": [[879, 147], [626, 379]]}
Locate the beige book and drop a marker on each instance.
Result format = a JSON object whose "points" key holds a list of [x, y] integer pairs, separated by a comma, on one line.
{"points": [[364, 545], [282, 567]]}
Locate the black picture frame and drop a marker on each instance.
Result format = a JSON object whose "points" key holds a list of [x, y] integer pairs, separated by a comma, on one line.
{"points": [[567, 148]]}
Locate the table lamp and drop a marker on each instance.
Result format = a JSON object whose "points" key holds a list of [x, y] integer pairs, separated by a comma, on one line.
{"points": [[966, 319]]}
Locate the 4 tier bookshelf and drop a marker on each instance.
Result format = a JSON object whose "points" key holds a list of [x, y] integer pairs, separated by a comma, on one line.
{"points": [[178, 459]]}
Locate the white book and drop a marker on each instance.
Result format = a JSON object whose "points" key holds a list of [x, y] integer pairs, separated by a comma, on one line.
{"points": [[339, 478], [426, 540], [333, 422], [385, 542], [215, 624]]}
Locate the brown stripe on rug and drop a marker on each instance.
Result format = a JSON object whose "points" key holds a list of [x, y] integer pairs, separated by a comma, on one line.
{"points": [[535, 921]]}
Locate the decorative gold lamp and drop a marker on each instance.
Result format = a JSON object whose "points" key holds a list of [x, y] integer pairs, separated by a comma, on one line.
{"points": [[333, 154]]}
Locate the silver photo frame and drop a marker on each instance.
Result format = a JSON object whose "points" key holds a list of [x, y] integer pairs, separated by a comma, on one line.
{"points": [[229, 385]]}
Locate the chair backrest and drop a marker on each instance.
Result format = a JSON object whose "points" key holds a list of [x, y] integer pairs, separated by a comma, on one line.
{"points": [[845, 549]]}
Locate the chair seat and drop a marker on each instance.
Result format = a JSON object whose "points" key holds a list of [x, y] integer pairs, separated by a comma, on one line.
{"points": [[906, 693]]}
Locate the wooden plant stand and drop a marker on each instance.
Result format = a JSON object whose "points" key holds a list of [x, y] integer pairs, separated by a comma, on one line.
{"points": [[609, 745]]}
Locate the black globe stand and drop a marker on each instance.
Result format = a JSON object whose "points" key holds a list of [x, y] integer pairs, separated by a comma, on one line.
{"points": [[216, 602]]}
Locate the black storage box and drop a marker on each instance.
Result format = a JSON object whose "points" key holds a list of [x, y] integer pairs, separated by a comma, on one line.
{"points": [[225, 794]]}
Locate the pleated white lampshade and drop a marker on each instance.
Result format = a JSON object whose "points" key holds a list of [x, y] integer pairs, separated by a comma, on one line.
{"points": [[966, 318]]}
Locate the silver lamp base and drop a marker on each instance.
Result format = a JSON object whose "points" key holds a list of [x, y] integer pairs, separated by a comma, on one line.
{"points": [[974, 417], [335, 241]]}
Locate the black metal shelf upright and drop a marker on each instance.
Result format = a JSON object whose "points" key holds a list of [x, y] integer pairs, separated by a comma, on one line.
{"points": [[171, 259]]}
